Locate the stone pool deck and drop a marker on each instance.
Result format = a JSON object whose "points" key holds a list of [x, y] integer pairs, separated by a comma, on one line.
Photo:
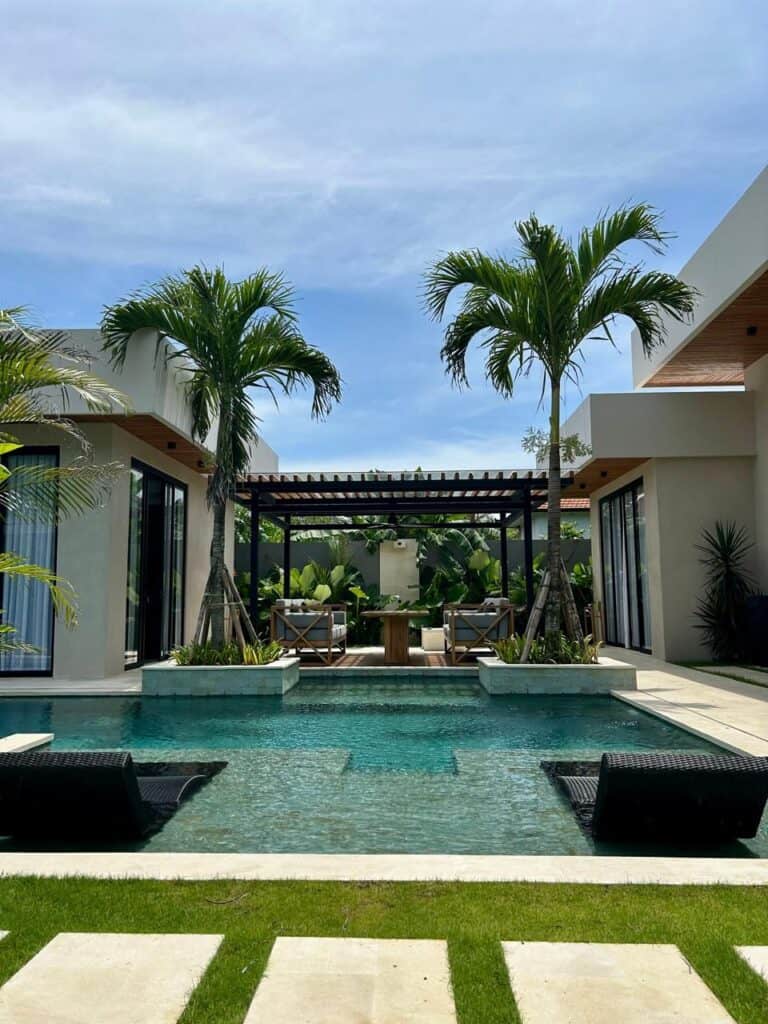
{"points": [[728, 712]]}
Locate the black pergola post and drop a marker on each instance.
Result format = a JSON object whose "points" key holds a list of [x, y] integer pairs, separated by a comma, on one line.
{"points": [[253, 599], [528, 550], [287, 556], [504, 553]]}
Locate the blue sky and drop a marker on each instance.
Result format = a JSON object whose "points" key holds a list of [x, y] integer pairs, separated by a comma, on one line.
{"points": [[347, 144]]}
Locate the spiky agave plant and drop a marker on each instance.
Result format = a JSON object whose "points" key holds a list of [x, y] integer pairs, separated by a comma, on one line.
{"points": [[728, 584]]}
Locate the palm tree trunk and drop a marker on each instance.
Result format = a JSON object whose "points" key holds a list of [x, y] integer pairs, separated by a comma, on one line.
{"points": [[215, 586], [552, 618]]}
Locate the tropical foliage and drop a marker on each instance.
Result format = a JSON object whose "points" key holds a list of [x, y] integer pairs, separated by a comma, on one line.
{"points": [[728, 584], [563, 651], [228, 654], [536, 311], [232, 336]]}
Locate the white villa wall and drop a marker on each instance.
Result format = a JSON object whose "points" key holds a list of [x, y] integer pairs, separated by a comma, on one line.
{"points": [[667, 424], [756, 382], [683, 497], [92, 551]]}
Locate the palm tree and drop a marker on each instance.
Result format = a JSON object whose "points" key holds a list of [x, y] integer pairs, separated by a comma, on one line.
{"points": [[541, 306], [233, 336]]}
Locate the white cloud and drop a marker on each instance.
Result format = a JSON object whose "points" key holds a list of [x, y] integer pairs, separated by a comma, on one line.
{"points": [[348, 142]]}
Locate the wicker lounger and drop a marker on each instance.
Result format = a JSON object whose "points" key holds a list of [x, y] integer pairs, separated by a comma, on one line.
{"points": [[691, 798], [92, 795]]}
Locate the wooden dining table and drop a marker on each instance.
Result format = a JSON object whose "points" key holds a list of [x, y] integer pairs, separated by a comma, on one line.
{"points": [[394, 628]]}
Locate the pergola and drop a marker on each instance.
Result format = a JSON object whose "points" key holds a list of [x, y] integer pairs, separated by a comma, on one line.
{"points": [[310, 501]]}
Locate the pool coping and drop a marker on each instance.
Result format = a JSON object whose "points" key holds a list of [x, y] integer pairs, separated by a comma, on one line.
{"points": [[568, 870]]}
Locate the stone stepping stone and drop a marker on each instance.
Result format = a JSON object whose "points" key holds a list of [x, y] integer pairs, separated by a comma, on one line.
{"points": [[596, 983], [89, 978], [355, 981], [756, 957]]}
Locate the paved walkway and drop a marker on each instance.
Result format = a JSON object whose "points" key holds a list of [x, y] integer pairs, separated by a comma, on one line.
{"points": [[116, 686], [731, 713], [89, 978], [370, 981], [86, 978], [596, 983]]}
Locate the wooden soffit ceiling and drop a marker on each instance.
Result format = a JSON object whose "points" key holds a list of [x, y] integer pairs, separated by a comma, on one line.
{"points": [[599, 472], [725, 347], [159, 435]]}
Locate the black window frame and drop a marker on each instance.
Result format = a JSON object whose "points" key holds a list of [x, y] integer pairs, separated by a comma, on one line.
{"points": [[146, 467], [617, 496]]}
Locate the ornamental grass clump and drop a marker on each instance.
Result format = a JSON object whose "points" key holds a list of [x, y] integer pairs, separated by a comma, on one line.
{"points": [[229, 654], [560, 650]]}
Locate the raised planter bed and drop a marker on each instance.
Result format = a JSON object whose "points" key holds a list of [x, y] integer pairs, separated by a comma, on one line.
{"points": [[609, 674], [170, 680]]}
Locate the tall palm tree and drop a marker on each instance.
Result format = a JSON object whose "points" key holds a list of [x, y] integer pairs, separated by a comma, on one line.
{"points": [[233, 336], [541, 306]]}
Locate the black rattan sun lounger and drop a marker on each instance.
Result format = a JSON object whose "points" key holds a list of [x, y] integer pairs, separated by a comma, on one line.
{"points": [[92, 795], [691, 798]]}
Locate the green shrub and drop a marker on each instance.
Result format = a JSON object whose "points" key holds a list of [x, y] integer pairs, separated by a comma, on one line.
{"points": [[563, 651], [230, 654], [261, 653], [721, 611]]}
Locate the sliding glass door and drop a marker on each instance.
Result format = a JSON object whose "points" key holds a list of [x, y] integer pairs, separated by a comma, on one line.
{"points": [[26, 604], [156, 564], [625, 571]]}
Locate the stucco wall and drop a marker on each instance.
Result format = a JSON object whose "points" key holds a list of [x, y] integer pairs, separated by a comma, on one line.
{"points": [[665, 424], [756, 382], [92, 551], [683, 498]]}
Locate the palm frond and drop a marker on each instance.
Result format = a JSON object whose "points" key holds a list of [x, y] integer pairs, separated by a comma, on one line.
{"points": [[275, 355], [597, 248], [62, 593], [52, 494], [642, 297]]}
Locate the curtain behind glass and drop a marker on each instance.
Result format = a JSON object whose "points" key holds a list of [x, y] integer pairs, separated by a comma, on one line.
{"points": [[27, 604]]}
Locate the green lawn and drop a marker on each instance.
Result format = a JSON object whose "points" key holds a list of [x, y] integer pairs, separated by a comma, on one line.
{"points": [[704, 922]]}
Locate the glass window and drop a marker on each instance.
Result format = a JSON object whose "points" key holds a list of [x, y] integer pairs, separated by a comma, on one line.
{"points": [[133, 590], [27, 604], [154, 622], [625, 576]]}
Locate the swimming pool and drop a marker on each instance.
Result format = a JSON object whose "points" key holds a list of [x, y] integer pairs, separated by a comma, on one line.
{"points": [[356, 766]]}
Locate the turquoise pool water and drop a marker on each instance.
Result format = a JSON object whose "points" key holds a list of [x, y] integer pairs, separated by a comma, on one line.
{"points": [[363, 767]]}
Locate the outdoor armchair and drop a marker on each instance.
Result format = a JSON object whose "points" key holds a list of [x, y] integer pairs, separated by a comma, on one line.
{"points": [[299, 625], [686, 798], [92, 795], [469, 628]]}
